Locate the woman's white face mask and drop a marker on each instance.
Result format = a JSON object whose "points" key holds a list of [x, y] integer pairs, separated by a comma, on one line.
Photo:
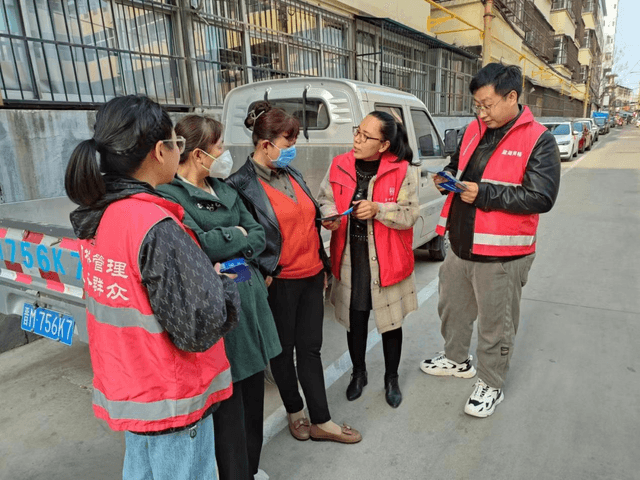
{"points": [[221, 166]]}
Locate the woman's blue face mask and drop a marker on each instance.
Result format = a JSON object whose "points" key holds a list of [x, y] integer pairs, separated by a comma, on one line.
{"points": [[286, 156]]}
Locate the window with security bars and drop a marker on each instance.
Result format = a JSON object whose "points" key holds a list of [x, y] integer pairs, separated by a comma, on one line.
{"points": [[192, 53], [178, 53], [436, 76], [88, 51], [559, 50], [299, 39], [584, 74], [573, 7]]}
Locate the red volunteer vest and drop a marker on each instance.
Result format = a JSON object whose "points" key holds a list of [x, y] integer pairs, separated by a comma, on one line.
{"points": [[500, 233], [393, 247], [142, 382], [299, 255]]}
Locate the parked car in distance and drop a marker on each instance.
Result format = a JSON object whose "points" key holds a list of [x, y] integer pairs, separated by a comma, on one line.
{"points": [[593, 129], [568, 140], [603, 125], [585, 127], [581, 129]]}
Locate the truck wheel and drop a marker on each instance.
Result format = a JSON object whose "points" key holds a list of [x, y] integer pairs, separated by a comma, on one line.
{"points": [[438, 247]]}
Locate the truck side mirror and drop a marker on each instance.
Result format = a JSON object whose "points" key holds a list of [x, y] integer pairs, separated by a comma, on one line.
{"points": [[450, 141]]}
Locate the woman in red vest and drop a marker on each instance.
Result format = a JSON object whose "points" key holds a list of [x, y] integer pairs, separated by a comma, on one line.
{"points": [[294, 264], [371, 250], [156, 308]]}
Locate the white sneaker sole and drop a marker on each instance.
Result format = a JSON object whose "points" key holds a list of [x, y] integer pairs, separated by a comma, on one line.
{"points": [[486, 414], [448, 373]]}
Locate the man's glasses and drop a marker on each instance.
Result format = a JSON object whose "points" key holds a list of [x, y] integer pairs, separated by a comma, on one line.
{"points": [[179, 142], [359, 135], [487, 108]]}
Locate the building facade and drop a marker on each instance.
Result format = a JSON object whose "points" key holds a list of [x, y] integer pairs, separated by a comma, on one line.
{"points": [[610, 22], [557, 43], [189, 53]]}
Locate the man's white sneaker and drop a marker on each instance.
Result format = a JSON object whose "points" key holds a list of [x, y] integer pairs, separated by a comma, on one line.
{"points": [[442, 366], [483, 400]]}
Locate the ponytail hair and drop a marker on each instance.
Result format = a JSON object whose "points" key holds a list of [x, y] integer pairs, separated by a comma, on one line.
{"points": [[396, 134], [126, 130], [83, 180]]}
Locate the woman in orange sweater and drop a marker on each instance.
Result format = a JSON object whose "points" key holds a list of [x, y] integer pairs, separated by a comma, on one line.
{"points": [[294, 263]]}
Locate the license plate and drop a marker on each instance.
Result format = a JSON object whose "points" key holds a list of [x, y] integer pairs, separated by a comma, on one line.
{"points": [[48, 323]]}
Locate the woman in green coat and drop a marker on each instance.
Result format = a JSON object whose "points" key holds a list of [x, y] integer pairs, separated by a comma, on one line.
{"points": [[226, 230]]}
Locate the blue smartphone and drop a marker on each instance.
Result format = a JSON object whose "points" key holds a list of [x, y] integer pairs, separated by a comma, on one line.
{"points": [[335, 217], [452, 184], [237, 266]]}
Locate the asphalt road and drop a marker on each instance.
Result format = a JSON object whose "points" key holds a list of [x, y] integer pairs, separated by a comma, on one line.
{"points": [[571, 408]]}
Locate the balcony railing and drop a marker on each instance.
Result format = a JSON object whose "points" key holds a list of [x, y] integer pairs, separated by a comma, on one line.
{"points": [[513, 10], [574, 7], [593, 7], [565, 53], [539, 33], [590, 41]]}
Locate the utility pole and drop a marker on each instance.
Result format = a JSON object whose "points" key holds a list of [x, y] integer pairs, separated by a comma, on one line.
{"points": [[587, 88], [486, 38]]}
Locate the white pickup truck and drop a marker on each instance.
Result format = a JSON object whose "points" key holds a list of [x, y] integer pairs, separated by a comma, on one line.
{"points": [[40, 270]]}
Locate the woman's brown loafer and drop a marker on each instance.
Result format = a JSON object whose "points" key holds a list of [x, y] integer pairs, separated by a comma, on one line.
{"points": [[348, 435], [299, 429]]}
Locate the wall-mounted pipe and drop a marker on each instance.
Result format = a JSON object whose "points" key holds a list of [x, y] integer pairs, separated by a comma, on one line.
{"points": [[486, 37]]}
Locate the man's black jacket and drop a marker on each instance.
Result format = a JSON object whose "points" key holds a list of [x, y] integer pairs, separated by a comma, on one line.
{"points": [[537, 193]]}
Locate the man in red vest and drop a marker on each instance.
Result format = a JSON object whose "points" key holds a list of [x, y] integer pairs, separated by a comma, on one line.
{"points": [[509, 166]]}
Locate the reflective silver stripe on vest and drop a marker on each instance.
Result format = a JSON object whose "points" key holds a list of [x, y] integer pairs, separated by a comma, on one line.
{"points": [[161, 409], [442, 222], [503, 240], [469, 144], [123, 317], [498, 182]]}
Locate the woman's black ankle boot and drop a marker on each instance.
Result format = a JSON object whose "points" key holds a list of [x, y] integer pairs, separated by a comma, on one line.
{"points": [[358, 382], [393, 395]]}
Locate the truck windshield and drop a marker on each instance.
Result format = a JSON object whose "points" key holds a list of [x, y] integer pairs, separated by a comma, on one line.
{"points": [[317, 115], [599, 120]]}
